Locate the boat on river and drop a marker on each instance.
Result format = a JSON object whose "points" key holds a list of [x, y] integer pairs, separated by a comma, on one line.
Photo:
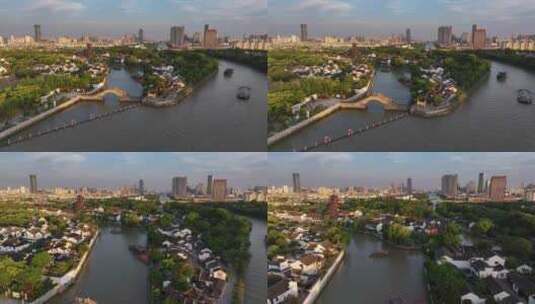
{"points": [[501, 76], [84, 301], [228, 72], [140, 252], [244, 93], [525, 96]]}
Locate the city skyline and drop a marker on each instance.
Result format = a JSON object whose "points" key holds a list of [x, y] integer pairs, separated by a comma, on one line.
{"points": [[113, 170], [113, 19], [383, 169], [387, 17]]}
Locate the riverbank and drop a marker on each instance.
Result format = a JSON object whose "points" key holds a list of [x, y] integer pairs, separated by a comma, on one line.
{"points": [[158, 102], [342, 104], [70, 277], [315, 291]]}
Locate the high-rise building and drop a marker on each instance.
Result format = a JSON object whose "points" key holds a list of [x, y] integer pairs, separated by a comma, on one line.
{"points": [[206, 27], [304, 32], [219, 190], [33, 183], [180, 186], [210, 39], [497, 188], [296, 182], [481, 183], [408, 36], [141, 188], [140, 35], [177, 36], [409, 186], [449, 185], [479, 37], [37, 29], [445, 34], [209, 185]]}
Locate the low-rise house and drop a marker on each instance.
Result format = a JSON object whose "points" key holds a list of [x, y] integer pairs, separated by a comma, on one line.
{"points": [[281, 290], [472, 298]]}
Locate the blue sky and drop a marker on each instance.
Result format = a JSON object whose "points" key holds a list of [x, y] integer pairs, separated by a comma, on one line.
{"points": [[117, 17], [382, 169], [116, 169], [384, 17]]}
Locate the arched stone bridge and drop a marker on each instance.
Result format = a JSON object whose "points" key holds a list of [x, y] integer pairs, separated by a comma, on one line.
{"points": [[119, 92], [387, 103]]}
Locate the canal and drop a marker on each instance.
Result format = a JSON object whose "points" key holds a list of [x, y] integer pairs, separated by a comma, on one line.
{"points": [[361, 279], [489, 120], [112, 273], [255, 274], [211, 119]]}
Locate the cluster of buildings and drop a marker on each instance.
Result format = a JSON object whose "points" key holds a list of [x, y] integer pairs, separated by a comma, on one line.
{"points": [[174, 84], [21, 243], [443, 92], [216, 189], [208, 39], [293, 275], [502, 284], [210, 278], [476, 40], [494, 189]]}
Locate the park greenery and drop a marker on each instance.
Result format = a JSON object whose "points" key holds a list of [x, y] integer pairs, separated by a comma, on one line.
{"points": [[524, 60], [252, 58], [21, 95], [287, 89]]}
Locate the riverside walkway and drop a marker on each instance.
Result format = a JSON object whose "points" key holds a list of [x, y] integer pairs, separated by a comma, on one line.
{"points": [[388, 105], [327, 140], [72, 124]]}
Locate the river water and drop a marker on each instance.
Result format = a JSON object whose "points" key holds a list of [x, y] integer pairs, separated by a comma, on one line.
{"points": [[211, 119], [489, 120], [364, 280], [112, 273], [255, 274]]}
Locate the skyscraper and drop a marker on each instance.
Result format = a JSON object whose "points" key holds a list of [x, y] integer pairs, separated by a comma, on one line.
{"points": [[304, 32], [481, 183], [219, 190], [33, 183], [140, 35], [445, 35], [296, 182], [37, 29], [409, 186], [141, 188], [206, 27], [449, 185], [211, 39], [180, 185], [408, 36], [479, 37], [177, 36], [209, 185], [497, 188]]}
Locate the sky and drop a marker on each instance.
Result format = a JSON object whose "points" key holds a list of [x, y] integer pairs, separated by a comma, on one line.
{"points": [[386, 17], [383, 169], [112, 170], [112, 18], [244, 170]]}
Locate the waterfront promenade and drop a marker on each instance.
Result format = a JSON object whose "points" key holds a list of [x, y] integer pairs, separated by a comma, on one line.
{"points": [[315, 291]]}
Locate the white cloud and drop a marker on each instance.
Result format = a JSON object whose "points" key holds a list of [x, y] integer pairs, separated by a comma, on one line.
{"points": [[327, 6], [57, 157], [57, 5], [493, 10]]}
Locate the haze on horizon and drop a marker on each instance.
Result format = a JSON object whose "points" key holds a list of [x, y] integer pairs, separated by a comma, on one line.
{"points": [[113, 170], [114, 18], [382, 18], [377, 169]]}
